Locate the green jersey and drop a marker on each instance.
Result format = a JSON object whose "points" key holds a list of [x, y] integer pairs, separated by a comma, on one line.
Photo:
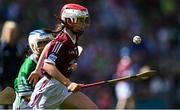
{"points": [[21, 84]]}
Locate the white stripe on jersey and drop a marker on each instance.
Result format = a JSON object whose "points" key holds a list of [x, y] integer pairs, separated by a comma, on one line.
{"points": [[54, 46], [57, 47]]}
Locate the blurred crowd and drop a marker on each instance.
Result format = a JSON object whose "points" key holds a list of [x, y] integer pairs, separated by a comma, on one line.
{"points": [[108, 48]]}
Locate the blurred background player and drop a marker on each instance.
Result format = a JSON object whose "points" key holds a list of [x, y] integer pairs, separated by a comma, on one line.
{"points": [[37, 40], [124, 68], [10, 57], [55, 90]]}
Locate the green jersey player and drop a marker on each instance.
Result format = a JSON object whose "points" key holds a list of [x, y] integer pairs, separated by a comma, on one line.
{"points": [[37, 40]]}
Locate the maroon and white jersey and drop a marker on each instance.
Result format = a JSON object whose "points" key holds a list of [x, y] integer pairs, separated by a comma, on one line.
{"points": [[62, 53]]}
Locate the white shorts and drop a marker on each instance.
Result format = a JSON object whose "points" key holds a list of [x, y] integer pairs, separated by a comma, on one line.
{"points": [[123, 90], [48, 93]]}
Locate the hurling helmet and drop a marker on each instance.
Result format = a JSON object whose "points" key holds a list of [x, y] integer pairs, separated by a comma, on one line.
{"points": [[73, 12], [36, 37]]}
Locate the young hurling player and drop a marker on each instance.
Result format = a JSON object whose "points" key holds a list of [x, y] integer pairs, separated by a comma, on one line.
{"points": [[51, 91], [37, 40]]}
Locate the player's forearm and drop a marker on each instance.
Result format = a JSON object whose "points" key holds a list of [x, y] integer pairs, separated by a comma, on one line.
{"points": [[41, 60], [55, 73], [39, 64]]}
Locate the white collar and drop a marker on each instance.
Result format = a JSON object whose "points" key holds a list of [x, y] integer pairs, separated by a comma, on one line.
{"points": [[70, 34]]}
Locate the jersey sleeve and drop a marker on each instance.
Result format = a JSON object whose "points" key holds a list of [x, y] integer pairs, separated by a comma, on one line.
{"points": [[21, 84], [52, 52]]}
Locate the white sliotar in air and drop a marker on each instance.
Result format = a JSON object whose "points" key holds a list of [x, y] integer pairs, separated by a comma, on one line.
{"points": [[137, 39]]}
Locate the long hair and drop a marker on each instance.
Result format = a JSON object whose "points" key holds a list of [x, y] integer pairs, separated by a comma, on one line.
{"points": [[58, 27]]}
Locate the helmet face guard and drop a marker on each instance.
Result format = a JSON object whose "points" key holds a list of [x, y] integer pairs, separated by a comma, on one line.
{"points": [[42, 42], [74, 14]]}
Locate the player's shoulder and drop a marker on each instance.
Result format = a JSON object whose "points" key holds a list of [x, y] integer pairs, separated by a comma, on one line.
{"points": [[61, 37], [28, 63], [32, 59]]}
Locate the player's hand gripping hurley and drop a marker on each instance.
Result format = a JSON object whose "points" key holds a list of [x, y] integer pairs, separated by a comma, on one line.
{"points": [[142, 75]]}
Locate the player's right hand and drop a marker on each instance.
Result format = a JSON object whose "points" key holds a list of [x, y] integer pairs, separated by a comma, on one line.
{"points": [[34, 78], [74, 87]]}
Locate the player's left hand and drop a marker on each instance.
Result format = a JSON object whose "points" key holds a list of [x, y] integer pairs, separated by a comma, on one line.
{"points": [[34, 78], [73, 67]]}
